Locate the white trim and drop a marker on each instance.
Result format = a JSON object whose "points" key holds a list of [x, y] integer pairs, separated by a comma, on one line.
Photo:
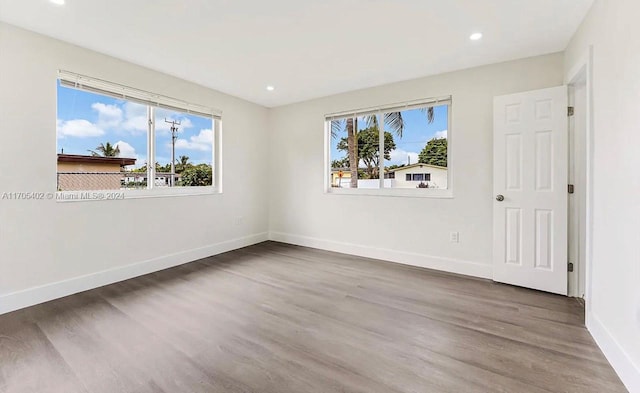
{"points": [[327, 157], [151, 146], [450, 265], [88, 83], [586, 63], [108, 195], [394, 192], [217, 155], [381, 136], [576, 69], [399, 106], [624, 366], [35, 295], [615, 353]]}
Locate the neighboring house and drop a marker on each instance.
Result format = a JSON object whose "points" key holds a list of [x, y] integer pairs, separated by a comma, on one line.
{"points": [[340, 177], [411, 176], [79, 172]]}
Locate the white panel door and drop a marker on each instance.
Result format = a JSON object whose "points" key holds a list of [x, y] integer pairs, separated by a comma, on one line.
{"points": [[530, 148]]}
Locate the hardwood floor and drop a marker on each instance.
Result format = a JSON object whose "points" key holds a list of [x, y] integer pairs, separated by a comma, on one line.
{"points": [[281, 318]]}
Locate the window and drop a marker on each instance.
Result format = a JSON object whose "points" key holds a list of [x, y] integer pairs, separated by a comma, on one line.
{"points": [[189, 140], [110, 137], [414, 141], [355, 134], [418, 177]]}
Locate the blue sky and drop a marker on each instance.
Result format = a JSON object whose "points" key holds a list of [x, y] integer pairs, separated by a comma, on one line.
{"points": [[417, 133], [86, 119]]}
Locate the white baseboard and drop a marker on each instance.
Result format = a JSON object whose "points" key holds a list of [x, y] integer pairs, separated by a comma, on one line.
{"points": [[450, 265], [621, 362], [35, 295]]}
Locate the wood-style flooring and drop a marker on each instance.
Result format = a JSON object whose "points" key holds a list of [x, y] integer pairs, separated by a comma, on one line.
{"points": [[281, 318]]}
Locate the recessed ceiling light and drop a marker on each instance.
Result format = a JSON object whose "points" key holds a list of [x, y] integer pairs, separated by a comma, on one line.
{"points": [[57, 2], [270, 88], [475, 36]]}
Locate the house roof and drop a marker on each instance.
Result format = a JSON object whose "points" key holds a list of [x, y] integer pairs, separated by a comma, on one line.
{"points": [[419, 164], [79, 158]]}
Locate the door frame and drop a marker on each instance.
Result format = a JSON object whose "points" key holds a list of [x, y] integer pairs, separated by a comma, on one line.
{"points": [[583, 68]]}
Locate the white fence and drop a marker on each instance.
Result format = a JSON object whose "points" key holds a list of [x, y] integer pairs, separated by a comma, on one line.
{"points": [[367, 183]]}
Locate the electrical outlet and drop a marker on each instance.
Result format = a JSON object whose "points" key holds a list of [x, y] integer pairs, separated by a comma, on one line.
{"points": [[454, 237], [239, 220]]}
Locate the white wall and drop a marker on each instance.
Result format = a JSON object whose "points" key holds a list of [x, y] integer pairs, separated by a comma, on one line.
{"points": [[613, 314], [408, 230], [50, 249]]}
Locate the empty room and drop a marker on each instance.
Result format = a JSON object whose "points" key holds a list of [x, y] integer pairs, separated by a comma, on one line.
{"points": [[362, 196]]}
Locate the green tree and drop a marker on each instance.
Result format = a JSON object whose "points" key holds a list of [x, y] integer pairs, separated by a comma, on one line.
{"points": [[163, 168], [105, 150], [141, 169], [392, 120], [197, 175], [342, 163], [369, 149], [434, 152], [182, 164]]}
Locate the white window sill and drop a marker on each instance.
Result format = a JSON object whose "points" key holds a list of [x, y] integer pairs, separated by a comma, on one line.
{"points": [[394, 192], [106, 195]]}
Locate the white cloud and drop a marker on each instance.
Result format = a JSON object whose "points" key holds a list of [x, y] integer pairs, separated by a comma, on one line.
{"points": [[130, 117], [137, 124], [132, 109], [399, 157], [126, 150], [78, 128], [440, 134], [108, 115], [202, 141], [135, 118]]}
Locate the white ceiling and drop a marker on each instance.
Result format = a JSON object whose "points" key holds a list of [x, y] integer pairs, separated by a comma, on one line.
{"points": [[305, 48]]}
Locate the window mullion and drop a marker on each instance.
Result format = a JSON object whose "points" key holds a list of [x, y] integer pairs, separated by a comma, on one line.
{"points": [[381, 148], [151, 148]]}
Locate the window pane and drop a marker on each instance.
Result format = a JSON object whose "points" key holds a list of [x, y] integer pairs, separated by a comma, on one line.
{"points": [[418, 142], [354, 143], [100, 142], [189, 140]]}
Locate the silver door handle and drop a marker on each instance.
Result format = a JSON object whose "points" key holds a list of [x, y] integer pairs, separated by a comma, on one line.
{"points": [[499, 198]]}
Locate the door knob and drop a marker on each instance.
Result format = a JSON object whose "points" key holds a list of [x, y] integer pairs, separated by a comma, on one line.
{"points": [[499, 198]]}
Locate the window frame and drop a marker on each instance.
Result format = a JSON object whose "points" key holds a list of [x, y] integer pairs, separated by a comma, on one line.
{"points": [[390, 192], [109, 89]]}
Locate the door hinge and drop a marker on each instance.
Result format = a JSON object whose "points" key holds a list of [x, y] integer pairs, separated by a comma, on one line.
{"points": [[570, 188], [570, 111], [570, 267]]}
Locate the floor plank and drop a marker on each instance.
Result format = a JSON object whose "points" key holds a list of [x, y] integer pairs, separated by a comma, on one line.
{"points": [[281, 318]]}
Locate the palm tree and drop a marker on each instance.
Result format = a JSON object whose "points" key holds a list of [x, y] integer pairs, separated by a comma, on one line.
{"points": [[393, 120], [106, 150], [182, 163]]}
